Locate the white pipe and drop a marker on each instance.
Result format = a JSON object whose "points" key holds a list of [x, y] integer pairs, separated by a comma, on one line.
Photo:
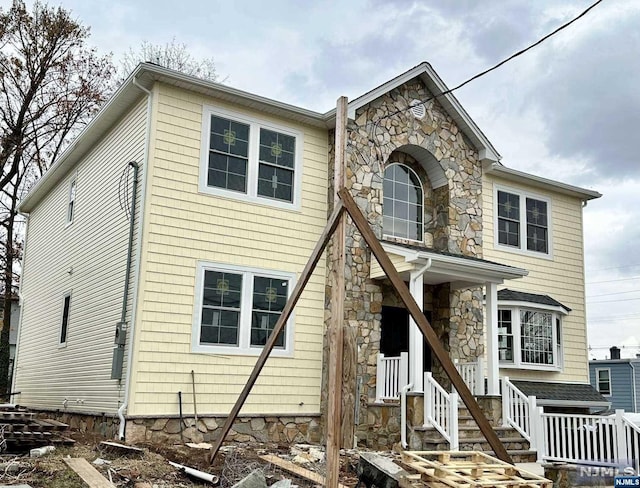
{"points": [[634, 382], [403, 414], [421, 271], [127, 381], [211, 478]]}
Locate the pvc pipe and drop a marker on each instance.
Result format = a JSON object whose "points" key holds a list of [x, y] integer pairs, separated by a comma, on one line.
{"points": [[403, 414], [211, 478]]}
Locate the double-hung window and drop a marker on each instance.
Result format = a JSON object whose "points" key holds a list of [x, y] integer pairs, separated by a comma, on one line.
{"points": [[250, 159], [603, 379], [237, 309], [522, 222], [529, 338]]}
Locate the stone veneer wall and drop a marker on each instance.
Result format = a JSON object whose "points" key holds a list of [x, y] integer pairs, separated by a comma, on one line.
{"points": [[380, 134], [284, 429]]}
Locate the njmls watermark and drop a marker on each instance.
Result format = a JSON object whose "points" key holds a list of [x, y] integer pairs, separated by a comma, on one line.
{"points": [[618, 474]]}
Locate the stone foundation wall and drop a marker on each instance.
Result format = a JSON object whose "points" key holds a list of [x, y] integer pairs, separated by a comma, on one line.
{"points": [[285, 430], [381, 428]]}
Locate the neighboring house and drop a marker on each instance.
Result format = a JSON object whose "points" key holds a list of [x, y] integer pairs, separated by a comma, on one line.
{"points": [[618, 380], [232, 192]]}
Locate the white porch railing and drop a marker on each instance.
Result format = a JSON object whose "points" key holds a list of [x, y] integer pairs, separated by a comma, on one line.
{"points": [[392, 373], [590, 439], [578, 439], [517, 410], [441, 410], [473, 375]]}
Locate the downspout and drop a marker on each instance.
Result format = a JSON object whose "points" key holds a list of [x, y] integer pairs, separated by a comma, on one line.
{"points": [[125, 402], [403, 415]]}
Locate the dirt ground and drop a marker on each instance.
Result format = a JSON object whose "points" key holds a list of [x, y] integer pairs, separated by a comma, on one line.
{"points": [[152, 469]]}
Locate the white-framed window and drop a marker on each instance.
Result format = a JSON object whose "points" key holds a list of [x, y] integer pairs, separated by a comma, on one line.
{"points": [[403, 200], [236, 309], [71, 206], [603, 381], [64, 325], [530, 337], [522, 222], [250, 159]]}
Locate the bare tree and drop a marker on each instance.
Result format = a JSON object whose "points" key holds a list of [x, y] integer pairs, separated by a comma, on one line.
{"points": [[51, 84], [173, 55]]}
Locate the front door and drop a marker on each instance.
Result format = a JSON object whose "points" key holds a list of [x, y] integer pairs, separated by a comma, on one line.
{"points": [[394, 336]]}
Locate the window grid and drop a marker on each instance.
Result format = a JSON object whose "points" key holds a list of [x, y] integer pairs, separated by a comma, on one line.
{"points": [[537, 232], [275, 169], [238, 308], [522, 222], [505, 336], [228, 154], [403, 203], [536, 337], [508, 219]]}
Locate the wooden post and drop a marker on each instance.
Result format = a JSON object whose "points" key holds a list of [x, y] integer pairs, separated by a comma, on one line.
{"points": [[284, 316], [336, 325], [436, 347]]}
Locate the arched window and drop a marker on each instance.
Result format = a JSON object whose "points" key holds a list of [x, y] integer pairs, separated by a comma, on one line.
{"points": [[403, 203]]}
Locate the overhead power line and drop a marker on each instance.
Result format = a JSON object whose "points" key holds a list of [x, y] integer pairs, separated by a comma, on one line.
{"points": [[614, 293], [611, 281], [619, 300], [489, 70]]}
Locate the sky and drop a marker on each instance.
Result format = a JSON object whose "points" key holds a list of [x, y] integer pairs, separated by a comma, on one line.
{"points": [[568, 110]]}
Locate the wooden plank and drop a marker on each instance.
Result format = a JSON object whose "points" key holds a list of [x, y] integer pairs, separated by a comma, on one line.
{"points": [[284, 316], [436, 347], [297, 470], [90, 475], [336, 324]]}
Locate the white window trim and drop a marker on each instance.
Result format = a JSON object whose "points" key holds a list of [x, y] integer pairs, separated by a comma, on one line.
{"points": [[608, 370], [71, 215], [523, 223], [384, 235], [244, 334], [255, 124], [62, 345], [516, 333]]}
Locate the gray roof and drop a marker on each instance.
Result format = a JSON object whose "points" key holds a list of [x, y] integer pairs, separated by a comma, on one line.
{"points": [[507, 295], [549, 393]]}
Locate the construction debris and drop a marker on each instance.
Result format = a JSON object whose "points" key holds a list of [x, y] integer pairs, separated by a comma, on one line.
{"points": [[41, 451], [194, 473], [296, 470], [255, 479], [88, 473], [466, 469], [379, 471], [121, 448], [21, 431]]}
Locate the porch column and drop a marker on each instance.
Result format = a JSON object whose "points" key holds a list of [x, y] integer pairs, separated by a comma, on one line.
{"points": [[416, 340], [493, 372]]}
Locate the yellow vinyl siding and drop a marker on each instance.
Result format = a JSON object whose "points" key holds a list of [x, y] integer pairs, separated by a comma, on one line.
{"points": [[184, 227], [87, 259], [561, 277]]}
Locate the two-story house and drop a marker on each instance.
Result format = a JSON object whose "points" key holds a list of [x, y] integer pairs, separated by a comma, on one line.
{"points": [[162, 246], [618, 380]]}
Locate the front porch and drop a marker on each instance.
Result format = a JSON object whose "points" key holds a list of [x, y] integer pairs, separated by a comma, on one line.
{"points": [[458, 295]]}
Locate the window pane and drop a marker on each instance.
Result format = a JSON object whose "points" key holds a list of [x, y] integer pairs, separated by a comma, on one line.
{"points": [[229, 154], [277, 148], [508, 205], [536, 238], [536, 337], [402, 203], [505, 336], [221, 303], [269, 298], [65, 319], [274, 182]]}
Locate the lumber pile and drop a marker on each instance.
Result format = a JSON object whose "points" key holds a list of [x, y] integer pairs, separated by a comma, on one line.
{"points": [[20, 430], [468, 469]]}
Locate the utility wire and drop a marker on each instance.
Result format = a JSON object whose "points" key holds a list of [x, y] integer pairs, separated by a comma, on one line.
{"points": [[489, 70], [619, 300], [614, 293], [611, 281]]}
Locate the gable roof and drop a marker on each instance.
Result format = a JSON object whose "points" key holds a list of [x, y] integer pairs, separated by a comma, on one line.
{"points": [[425, 72]]}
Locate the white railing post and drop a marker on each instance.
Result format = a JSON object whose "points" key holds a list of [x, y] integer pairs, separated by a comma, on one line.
{"points": [[505, 401], [454, 443], [540, 429], [380, 378], [479, 377], [403, 374], [621, 437], [532, 421], [428, 398]]}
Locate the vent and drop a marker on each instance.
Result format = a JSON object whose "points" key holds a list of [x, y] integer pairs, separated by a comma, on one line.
{"points": [[418, 110]]}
